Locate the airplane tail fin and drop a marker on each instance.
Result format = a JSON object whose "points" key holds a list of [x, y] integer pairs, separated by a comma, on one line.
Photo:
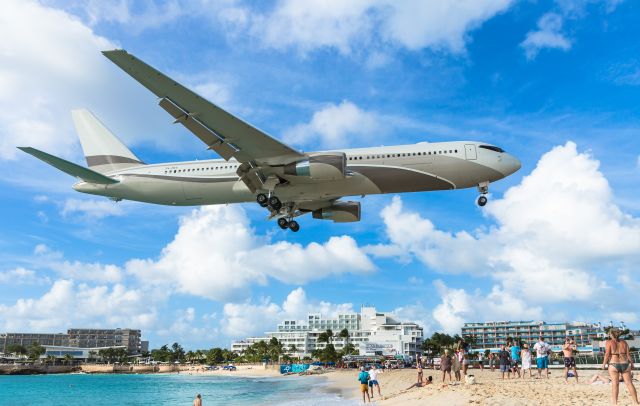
{"points": [[104, 152], [70, 168]]}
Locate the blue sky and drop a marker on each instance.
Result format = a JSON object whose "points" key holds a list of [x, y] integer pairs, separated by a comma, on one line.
{"points": [[552, 82]]}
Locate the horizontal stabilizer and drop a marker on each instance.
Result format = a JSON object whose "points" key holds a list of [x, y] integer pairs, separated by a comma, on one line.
{"points": [[70, 168]]}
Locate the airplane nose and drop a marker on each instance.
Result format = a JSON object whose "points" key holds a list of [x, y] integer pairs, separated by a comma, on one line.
{"points": [[510, 164]]}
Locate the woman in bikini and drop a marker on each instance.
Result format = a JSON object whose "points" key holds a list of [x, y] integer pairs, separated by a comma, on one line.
{"points": [[620, 363]]}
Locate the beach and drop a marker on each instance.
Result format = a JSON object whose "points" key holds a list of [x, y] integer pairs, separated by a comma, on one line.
{"points": [[489, 389]]}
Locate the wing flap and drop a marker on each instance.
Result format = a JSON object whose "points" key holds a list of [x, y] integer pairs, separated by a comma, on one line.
{"points": [[234, 137], [70, 168]]}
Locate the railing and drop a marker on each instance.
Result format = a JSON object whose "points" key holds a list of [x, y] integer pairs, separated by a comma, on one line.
{"points": [[599, 358]]}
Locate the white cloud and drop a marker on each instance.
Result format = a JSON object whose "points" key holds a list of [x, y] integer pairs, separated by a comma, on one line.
{"points": [[215, 254], [458, 307], [22, 276], [548, 35], [67, 303], [91, 208], [336, 125], [241, 320], [557, 232], [347, 26], [56, 65], [46, 259]]}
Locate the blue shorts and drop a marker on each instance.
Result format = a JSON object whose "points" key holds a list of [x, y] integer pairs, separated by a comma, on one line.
{"points": [[373, 382], [542, 362], [504, 368]]}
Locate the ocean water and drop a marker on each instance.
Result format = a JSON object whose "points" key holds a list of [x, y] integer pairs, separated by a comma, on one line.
{"points": [[162, 389]]}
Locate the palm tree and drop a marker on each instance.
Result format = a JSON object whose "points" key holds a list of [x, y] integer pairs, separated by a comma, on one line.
{"points": [[293, 349], [51, 359], [68, 358]]}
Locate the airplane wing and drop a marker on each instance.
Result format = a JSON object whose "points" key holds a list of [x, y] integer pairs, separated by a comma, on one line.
{"points": [[69, 167], [222, 132]]}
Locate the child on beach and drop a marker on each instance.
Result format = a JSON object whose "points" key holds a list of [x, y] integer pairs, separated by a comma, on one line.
{"points": [[505, 362]]}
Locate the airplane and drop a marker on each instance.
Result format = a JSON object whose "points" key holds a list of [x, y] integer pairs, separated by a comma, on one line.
{"points": [[257, 167]]}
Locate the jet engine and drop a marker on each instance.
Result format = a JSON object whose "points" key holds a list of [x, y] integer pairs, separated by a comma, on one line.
{"points": [[340, 212], [321, 166]]}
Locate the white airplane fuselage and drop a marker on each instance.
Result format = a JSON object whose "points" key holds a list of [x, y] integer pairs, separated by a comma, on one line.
{"points": [[390, 169]]}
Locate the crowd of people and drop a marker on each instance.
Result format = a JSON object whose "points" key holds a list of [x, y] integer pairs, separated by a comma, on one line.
{"points": [[516, 362]]}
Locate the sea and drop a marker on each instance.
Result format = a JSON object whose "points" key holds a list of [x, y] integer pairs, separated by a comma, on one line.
{"points": [[162, 389]]}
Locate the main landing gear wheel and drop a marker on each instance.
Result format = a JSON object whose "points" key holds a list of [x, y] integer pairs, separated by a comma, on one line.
{"points": [[283, 223], [275, 203], [482, 200], [294, 226], [262, 200]]}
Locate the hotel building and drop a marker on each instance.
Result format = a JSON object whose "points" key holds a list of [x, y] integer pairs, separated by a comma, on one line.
{"points": [[490, 335], [80, 338], [370, 331]]}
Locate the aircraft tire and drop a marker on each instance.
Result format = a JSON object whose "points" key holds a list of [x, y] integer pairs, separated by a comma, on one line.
{"points": [[283, 223], [294, 226], [262, 199], [482, 200]]}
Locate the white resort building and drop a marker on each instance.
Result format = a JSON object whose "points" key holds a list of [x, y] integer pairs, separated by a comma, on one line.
{"points": [[370, 331]]}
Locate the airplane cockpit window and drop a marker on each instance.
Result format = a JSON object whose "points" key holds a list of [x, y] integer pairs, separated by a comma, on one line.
{"points": [[492, 148]]}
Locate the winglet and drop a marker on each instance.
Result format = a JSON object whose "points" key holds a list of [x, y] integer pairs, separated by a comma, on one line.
{"points": [[70, 168]]}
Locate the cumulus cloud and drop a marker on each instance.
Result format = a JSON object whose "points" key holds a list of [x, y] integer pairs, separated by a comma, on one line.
{"points": [[336, 125], [46, 259], [215, 254], [559, 228], [458, 306], [548, 35], [91, 208], [248, 319], [56, 66], [22, 276], [67, 303]]}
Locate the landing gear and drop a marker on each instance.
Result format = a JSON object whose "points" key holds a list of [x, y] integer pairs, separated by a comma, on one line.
{"points": [[483, 188], [262, 200], [275, 203], [285, 216], [294, 226]]}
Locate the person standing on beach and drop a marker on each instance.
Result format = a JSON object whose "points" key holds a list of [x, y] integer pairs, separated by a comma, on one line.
{"points": [[420, 372], [505, 362], [515, 358], [198, 400], [620, 363], [492, 362], [481, 360], [542, 356], [445, 365], [455, 365], [363, 378], [568, 351], [373, 379], [525, 355]]}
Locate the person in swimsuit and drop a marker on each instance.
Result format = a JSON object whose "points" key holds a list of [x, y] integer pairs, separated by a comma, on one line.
{"points": [[620, 363], [568, 350], [198, 400], [445, 365], [420, 372]]}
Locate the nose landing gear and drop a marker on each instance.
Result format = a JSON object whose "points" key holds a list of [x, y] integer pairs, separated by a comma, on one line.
{"points": [[483, 188]]}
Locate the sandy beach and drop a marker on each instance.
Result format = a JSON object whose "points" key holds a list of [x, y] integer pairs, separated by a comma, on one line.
{"points": [[488, 390]]}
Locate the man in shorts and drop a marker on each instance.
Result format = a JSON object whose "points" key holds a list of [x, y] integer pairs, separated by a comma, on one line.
{"points": [[515, 358], [373, 379], [504, 357], [568, 350], [363, 378], [542, 356]]}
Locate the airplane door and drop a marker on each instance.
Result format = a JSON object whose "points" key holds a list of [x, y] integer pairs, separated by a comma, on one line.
{"points": [[470, 152]]}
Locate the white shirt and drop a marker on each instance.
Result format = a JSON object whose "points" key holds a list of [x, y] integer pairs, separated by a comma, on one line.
{"points": [[541, 349], [373, 374]]}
